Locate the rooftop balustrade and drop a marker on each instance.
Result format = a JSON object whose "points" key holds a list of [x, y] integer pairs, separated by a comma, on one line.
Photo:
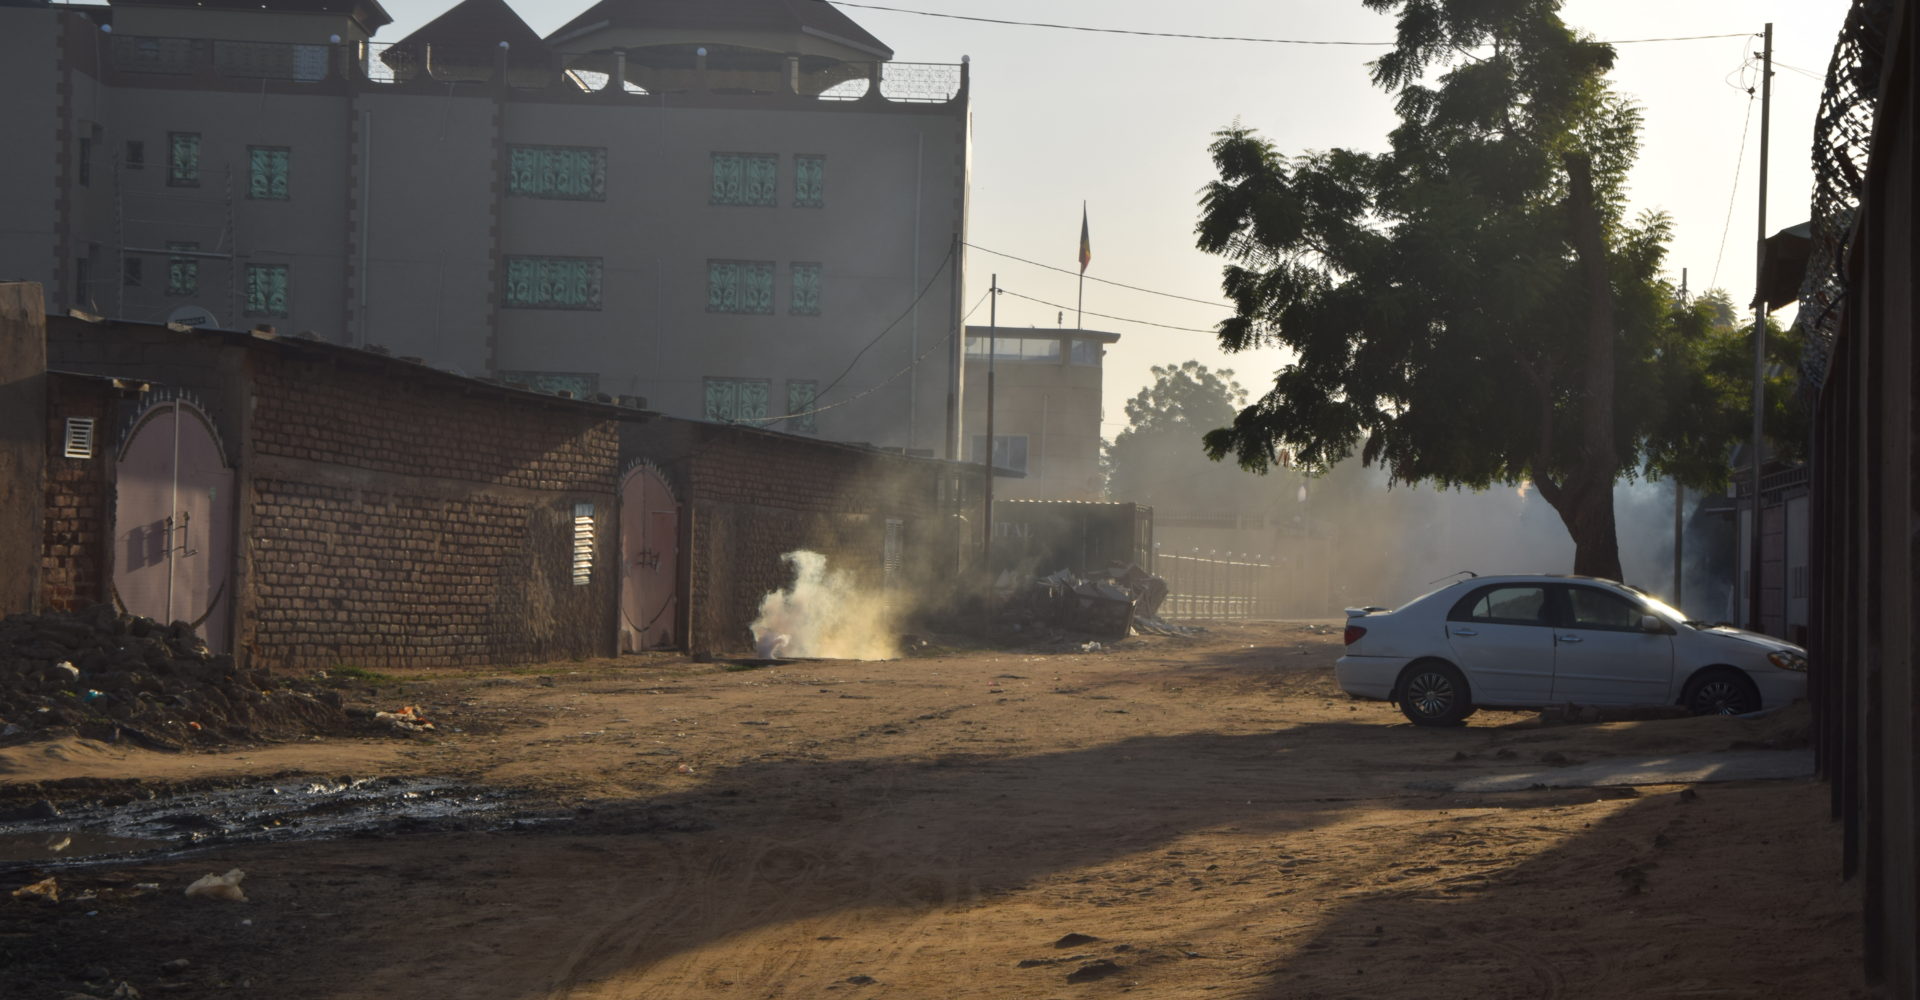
{"points": [[400, 64]]}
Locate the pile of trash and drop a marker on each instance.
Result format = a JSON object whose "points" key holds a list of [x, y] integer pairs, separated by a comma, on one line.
{"points": [[1115, 603], [110, 676]]}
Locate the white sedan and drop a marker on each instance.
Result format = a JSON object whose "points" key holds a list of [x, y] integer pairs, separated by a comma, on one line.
{"points": [[1528, 641]]}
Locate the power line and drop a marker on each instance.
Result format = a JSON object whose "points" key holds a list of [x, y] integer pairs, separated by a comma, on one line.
{"points": [[1116, 284], [1731, 195], [877, 386], [944, 261], [1204, 38], [1123, 319]]}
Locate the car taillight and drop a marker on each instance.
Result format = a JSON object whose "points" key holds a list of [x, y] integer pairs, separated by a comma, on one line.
{"points": [[1354, 632]]}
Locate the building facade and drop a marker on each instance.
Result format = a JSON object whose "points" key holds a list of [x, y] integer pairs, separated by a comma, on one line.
{"points": [[1046, 412], [711, 207]]}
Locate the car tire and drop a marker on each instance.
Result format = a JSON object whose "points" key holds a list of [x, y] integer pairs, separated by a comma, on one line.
{"points": [[1721, 691], [1433, 693]]}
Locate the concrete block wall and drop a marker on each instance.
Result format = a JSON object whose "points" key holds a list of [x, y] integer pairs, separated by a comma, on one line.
{"points": [[398, 521], [756, 496], [74, 557]]}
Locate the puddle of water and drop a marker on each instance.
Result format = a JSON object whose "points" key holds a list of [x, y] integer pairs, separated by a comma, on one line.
{"points": [[60, 844]]}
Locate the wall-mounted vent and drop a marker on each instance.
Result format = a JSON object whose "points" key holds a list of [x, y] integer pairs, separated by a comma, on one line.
{"points": [[79, 437], [582, 544]]}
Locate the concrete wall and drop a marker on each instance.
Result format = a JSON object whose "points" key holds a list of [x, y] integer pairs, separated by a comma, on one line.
{"points": [[32, 118], [23, 407], [748, 497], [1055, 404]]}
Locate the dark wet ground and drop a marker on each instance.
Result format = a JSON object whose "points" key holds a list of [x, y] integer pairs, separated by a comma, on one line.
{"points": [[136, 820]]}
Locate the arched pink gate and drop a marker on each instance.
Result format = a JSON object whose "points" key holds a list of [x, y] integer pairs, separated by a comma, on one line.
{"points": [[649, 560], [173, 521]]}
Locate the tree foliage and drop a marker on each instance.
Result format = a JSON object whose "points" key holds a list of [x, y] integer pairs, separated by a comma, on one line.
{"points": [[1158, 459], [1471, 306]]}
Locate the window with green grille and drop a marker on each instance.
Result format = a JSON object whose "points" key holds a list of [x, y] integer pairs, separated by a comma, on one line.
{"points": [[800, 397], [183, 273], [740, 286], [553, 282], [183, 159], [736, 398], [569, 173], [745, 178], [809, 173], [266, 289], [267, 172], [806, 290]]}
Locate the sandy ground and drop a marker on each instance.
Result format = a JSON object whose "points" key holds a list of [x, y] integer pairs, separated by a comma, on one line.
{"points": [[1210, 817]]}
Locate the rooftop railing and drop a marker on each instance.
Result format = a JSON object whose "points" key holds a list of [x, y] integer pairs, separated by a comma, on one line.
{"points": [[397, 64]]}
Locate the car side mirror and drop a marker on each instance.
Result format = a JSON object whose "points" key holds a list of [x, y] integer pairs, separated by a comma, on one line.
{"points": [[1649, 623]]}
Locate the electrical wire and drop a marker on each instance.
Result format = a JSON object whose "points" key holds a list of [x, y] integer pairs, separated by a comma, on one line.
{"points": [[944, 262], [1197, 37], [877, 386], [1733, 195], [1122, 319], [1116, 284]]}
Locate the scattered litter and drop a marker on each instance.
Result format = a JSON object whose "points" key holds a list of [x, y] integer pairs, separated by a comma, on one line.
{"points": [[407, 720], [47, 890], [226, 887]]}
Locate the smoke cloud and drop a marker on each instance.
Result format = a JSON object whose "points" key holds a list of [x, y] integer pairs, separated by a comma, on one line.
{"points": [[824, 613]]}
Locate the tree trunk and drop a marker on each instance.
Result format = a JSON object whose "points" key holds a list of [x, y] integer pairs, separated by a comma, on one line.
{"points": [[1585, 495], [1585, 506]]}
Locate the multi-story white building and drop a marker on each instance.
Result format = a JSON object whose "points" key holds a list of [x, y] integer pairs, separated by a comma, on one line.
{"points": [[731, 209]]}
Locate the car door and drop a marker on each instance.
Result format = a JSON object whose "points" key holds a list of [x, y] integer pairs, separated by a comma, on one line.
{"points": [[1502, 638], [1602, 656]]}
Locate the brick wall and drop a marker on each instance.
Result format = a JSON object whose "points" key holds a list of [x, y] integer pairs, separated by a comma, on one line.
{"points": [[79, 497], [754, 496], [397, 520]]}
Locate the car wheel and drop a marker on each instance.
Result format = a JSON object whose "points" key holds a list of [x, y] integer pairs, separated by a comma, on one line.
{"points": [[1434, 694], [1721, 692]]}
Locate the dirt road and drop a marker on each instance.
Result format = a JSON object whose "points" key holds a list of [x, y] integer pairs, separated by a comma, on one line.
{"points": [[1204, 817]]}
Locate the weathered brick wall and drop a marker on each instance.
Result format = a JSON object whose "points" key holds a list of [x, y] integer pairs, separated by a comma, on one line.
{"points": [[79, 498], [403, 521], [756, 496], [382, 421]]}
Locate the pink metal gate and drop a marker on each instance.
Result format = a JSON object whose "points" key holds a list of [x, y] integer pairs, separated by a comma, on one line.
{"points": [[173, 521], [649, 560]]}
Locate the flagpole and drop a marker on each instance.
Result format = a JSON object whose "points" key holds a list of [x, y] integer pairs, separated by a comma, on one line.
{"points": [[1086, 254]]}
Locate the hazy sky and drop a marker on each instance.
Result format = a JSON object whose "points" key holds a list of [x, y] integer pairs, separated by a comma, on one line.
{"points": [[1123, 122]]}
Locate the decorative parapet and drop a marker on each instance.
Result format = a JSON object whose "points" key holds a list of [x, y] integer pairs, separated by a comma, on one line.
{"points": [[209, 61]]}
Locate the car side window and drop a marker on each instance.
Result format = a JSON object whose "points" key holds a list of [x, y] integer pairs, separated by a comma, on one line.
{"points": [[1508, 604], [1589, 607]]}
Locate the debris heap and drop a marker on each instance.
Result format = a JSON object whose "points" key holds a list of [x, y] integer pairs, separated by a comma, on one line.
{"points": [[116, 677]]}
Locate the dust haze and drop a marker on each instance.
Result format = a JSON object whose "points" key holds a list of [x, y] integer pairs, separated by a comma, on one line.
{"points": [[826, 613]]}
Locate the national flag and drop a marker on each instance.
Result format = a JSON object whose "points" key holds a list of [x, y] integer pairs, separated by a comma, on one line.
{"points": [[1086, 246]]}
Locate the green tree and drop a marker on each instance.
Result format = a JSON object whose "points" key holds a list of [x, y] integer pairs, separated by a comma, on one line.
{"points": [[1158, 459], [1470, 306]]}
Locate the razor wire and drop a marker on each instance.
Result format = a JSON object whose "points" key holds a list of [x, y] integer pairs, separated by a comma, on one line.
{"points": [[1842, 136]]}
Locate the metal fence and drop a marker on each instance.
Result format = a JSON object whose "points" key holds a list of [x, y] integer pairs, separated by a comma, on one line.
{"points": [[1218, 586]]}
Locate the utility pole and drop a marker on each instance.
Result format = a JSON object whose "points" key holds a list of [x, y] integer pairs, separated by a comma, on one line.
{"points": [[956, 356], [1760, 335], [993, 347], [1679, 508]]}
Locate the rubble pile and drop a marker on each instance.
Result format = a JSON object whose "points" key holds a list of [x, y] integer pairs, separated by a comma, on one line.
{"points": [[110, 676], [1114, 603]]}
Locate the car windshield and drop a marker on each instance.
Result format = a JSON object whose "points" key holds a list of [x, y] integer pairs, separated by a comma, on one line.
{"points": [[1660, 607]]}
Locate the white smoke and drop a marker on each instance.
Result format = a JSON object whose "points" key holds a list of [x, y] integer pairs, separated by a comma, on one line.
{"points": [[823, 613]]}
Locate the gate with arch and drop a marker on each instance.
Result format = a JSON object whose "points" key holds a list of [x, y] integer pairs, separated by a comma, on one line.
{"points": [[649, 560], [173, 520]]}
